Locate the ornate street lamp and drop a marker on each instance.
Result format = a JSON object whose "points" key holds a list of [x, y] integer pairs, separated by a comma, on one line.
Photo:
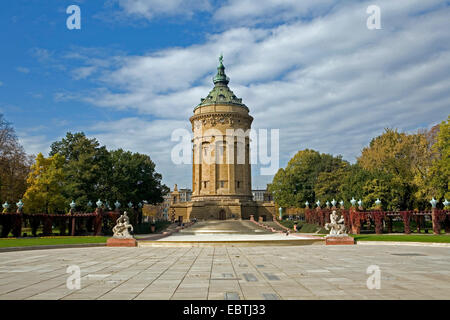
{"points": [[140, 205], [378, 203], [446, 203], [72, 205], [99, 203], [353, 201], [19, 204], [117, 204], [89, 204], [328, 204], [360, 203], [434, 202], [318, 203], [5, 206], [130, 204], [333, 203], [341, 203], [306, 204]]}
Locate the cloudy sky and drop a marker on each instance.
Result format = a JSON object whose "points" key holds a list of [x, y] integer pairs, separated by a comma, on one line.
{"points": [[137, 68]]}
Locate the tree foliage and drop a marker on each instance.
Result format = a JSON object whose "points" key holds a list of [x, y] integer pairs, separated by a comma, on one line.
{"points": [[46, 183], [14, 164], [403, 170], [87, 168], [93, 172], [306, 176], [436, 182]]}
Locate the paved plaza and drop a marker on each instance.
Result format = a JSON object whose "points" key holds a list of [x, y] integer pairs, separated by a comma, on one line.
{"points": [[285, 272]]}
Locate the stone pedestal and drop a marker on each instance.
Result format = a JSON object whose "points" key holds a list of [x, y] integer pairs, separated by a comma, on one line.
{"points": [[117, 242], [339, 240]]}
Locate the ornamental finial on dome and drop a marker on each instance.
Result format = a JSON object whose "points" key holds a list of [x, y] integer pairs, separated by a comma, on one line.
{"points": [[221, 77]]}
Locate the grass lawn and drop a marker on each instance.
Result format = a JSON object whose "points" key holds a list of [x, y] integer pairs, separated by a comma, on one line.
{"points": [[25, 242], [400, 237]]}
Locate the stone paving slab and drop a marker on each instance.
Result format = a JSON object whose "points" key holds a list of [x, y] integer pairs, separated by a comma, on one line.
{"points": [[263, 273]]}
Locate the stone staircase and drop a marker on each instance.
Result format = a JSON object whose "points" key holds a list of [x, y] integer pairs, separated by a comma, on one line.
{"points": [[225, 227]]}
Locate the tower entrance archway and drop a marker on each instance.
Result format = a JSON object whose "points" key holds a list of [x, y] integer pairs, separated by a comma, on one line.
{"points": [[222, 215]]}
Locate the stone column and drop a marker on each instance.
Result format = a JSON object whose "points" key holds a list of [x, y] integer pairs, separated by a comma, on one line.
{"points": [[447, 223], [378, 218], [355, 221], [406, 221], [213, 168], [98, 221], [72, 232], [248, 170], [231, 167], [435, 218], [17, 224]]}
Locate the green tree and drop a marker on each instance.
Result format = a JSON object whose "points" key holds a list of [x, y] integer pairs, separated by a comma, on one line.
{"points": [[353, 182], [133, 178], [92, 172], [46, 183], [87, 168], [329, 182], [307, 173], [438, 178], [401, 157]]}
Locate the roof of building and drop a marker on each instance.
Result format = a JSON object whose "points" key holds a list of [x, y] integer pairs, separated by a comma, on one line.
{"points": [[221, 93]]}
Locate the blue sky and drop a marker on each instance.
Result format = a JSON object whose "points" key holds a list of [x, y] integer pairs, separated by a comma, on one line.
{"points": [[136, 69]]}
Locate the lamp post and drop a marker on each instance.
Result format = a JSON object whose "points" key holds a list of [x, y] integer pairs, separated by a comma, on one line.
{"points": [[99, 203], [5, 207], [19, 206], [435, 216], [318, 204], [353, 201], [117, 206], [306, 204], [72, 206], [433, 202], [342, 204], [446, 203], [333, 203], [378, 204]]}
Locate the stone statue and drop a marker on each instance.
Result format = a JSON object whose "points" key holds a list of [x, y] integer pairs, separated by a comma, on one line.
{"points": [[121, 228], [336, 227]]}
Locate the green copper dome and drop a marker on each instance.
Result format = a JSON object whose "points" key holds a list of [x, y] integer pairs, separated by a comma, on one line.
{"points": [[221, 93]]}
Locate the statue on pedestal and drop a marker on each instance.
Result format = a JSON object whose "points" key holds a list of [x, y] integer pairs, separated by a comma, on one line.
{"points": [[336, 227], [121, 228]]}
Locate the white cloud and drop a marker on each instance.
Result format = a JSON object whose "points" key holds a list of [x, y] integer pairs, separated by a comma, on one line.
{"points": [[23, 70], [327, 82], [150, 9], [150, 137], [249, 12], [33, 144]]}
